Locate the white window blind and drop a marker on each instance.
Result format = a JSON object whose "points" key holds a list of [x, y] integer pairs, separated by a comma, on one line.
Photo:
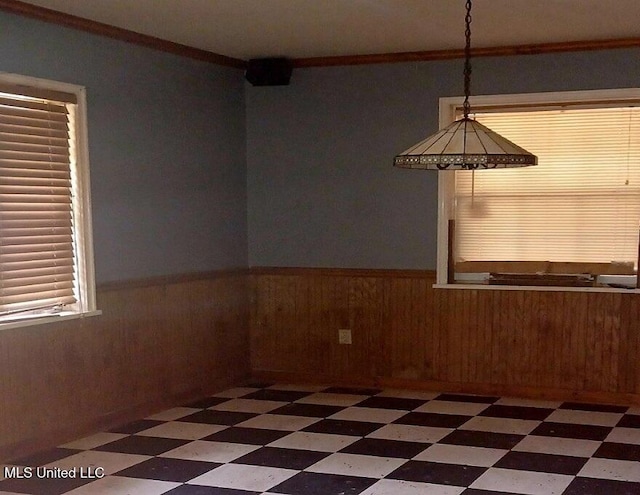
{"points": [[36, 236], [580, 204]]}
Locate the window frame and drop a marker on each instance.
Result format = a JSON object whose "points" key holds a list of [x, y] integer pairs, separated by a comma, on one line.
{"points": [[81, 204], [448, 110]]}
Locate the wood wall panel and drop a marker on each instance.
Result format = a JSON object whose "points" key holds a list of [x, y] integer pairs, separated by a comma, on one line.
{"points": [[157, 344], [575, 345]]}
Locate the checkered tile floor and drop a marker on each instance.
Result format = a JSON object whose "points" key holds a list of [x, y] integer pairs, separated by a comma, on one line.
{"points": [[297, 440]]}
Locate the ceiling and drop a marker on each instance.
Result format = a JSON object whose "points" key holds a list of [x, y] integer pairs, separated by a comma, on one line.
{"points": [[246, 29]]}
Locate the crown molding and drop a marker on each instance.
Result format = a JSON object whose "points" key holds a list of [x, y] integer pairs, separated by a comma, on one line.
{"points": [[496, 51]]}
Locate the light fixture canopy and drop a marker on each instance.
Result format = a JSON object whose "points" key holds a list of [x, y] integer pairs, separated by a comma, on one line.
{"points": [[465, 144]]}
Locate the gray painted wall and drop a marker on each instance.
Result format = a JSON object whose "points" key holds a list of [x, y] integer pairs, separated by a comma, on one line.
{"points": [[166, 145], [321, 187]]}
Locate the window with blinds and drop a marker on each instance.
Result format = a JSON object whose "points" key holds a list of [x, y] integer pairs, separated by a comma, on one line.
{"points": [[40, 272], [578, 211]]}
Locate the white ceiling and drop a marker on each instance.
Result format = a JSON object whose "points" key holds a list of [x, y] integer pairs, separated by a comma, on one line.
{"points": [[247, 29]]}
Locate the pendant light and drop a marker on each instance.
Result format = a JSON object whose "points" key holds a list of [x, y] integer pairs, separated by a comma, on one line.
{"points": [[465, 144]]}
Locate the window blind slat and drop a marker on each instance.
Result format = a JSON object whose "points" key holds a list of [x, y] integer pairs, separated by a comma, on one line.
{"points": [[44, 155], [36, 268], [36, 300], [25, 284], [12, 139], [33, 132]]}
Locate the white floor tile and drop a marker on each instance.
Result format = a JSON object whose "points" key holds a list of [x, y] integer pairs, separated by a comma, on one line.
{"points": [[411, 433], [357, 465], [584, 417], [461, 454], [559, 446], [233, 393], [343, 400], [634, 410], [173, 414], [243, 477], [111, 462], [368, 414], [210, 451], [452, 407], [320, 442], [93, 441], [624, 435], [182, 430], [249, 405], [500, 425], [398, 487], [279, 422], [525, 482], [611, 470], [118, 485]]}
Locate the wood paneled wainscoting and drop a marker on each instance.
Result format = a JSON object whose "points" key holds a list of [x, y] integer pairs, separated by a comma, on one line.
{"points": [[562, 345], [158, 343]]}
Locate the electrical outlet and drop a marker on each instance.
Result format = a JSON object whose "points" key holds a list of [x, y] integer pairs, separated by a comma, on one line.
{"points": [[344, 336]]}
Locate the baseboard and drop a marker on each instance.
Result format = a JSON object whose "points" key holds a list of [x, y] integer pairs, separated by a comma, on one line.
{"points": [[112, 419], [554, 394]]}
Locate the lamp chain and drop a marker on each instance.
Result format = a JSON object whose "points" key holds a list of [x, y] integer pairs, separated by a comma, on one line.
{"points": [[467, 61]]}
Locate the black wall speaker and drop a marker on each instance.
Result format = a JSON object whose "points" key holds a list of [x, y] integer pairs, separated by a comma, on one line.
{"points": [[268, 71]]}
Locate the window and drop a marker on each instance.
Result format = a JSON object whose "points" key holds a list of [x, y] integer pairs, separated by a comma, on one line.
{"points": [[571, 221], [46, 256]]}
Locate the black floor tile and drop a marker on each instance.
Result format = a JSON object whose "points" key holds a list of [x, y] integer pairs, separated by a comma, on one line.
{"points": [[42, 458], [250, 436], [544, 463], [593, 486], [309, 410], [259, 385], [474, 491], [392, 403], [207, 490], [352, 390], [385, 448], [136, 426], [438, 473], [323, 484], [580, 406], [212, 417], [165, 469], [516, 412], [277, 395], [479, 399], [482, 439], [433, 419], [142, 445], [570, 430], [343, 427], [620, 451], [629, 421], [282, 458], [207, 402], [42, 486]]}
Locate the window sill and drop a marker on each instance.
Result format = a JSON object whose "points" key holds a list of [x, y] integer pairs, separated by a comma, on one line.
{"points": [[537, 288], [28, 322]]}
